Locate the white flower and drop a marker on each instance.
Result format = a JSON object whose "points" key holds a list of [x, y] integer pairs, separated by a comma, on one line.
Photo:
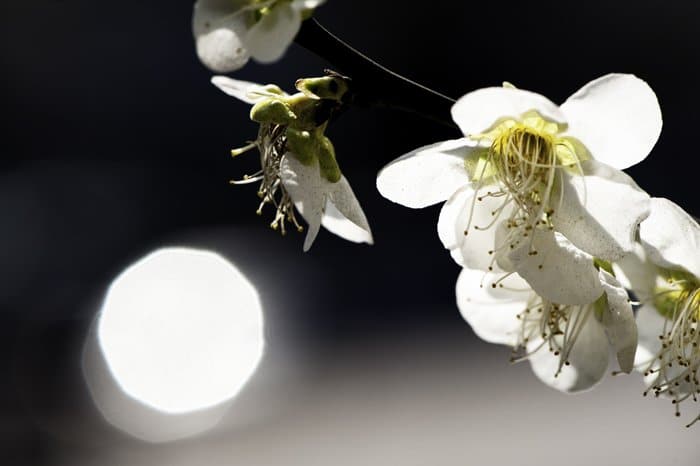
{"points": [[289, 180], [526, 168], [566, 345], [664, 274], [229, 32]]}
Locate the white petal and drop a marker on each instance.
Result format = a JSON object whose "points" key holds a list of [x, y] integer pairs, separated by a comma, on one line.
{"points": [[617, 117], [470, 250], [600, 211], [588, 359], [671, 237], [479, 110], [245, 91], [307, 4], [559, 272], [493, 312], [650, 324], [426, 176], [344, 216], [306, 188], [269, 38], [637, 274], [619, 323], [219, 27]]}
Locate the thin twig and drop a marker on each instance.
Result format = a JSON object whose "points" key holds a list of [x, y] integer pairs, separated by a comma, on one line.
{"points": [[372, 83]]}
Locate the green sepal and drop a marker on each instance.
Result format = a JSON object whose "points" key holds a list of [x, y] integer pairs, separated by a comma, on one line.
{"points": [[303, 144], [326, 160], [600, 306], [601, 264], [272, 110], [326, 87]]}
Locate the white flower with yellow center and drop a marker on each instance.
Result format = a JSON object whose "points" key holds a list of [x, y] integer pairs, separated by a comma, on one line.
{"points": [[527, 169], [567, 346], [229, 32], [664, 274], [298, 167]]}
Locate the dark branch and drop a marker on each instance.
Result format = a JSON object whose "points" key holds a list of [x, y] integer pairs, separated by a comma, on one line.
{"points": [[373, 84]]}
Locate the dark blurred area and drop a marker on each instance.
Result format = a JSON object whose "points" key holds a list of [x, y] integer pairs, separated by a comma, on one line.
{"points": [[114, 143]]}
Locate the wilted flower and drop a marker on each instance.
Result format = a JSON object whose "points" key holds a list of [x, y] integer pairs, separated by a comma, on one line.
{"points": [[298, 165], [664, 274], [566, 345], [527, 168], [229, 32]]}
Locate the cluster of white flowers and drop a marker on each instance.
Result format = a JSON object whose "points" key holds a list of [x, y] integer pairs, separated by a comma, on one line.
{"points": [[536, 212], [554, 239], [559, 248]]}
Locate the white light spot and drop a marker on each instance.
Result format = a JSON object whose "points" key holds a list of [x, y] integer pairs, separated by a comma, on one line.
{"points": [[181, 330]]}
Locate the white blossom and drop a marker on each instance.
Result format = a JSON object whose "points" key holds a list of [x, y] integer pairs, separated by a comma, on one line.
{"points": [[567, 346], [527, 168], [664, 275], [229, 32], [288, 181]]}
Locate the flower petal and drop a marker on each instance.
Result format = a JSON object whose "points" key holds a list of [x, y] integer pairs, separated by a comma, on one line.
{"points": [[246, 91], [588, 358], [479, 110], [559, 271], [635, 273], [471, 249], [493, 312], [600, 211], [305, 186], [619, 323], [671, 237], [650, 324], [270, 37], [343, 215], [219, 27], [617, 117], [426, 176]]}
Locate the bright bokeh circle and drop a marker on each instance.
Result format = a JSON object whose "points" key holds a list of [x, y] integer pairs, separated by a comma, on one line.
{"points": [[181, 330]]}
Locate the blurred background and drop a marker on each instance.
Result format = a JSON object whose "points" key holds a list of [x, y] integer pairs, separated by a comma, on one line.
{"points": [[115, 144]]}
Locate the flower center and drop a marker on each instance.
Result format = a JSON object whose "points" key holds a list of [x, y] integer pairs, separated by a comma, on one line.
{"points": [[675, 366], [547, 326], [524, 162]]}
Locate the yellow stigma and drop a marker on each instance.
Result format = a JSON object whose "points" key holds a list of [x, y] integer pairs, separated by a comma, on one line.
{"points": [[524, 159], [521, 164], [523, 156]]}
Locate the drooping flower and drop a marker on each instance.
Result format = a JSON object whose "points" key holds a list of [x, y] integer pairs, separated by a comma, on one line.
{"points": [[664, 274], [298, 165], [229, 32], [527, 168], [567, 346]]}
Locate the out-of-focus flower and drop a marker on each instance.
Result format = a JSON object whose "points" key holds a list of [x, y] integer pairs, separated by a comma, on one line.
{"points": [[664, 274], [298, 165], [229, 32], [566, 345], [527, 168]]}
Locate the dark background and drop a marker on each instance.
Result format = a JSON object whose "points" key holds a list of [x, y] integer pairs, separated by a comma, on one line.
{"points": [[114, 143]]}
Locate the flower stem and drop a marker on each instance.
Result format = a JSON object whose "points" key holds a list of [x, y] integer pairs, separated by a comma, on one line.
{"points": [[372, 84]]}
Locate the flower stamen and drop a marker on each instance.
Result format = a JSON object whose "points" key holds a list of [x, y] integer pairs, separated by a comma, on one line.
{"points": [[675, 365]]}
